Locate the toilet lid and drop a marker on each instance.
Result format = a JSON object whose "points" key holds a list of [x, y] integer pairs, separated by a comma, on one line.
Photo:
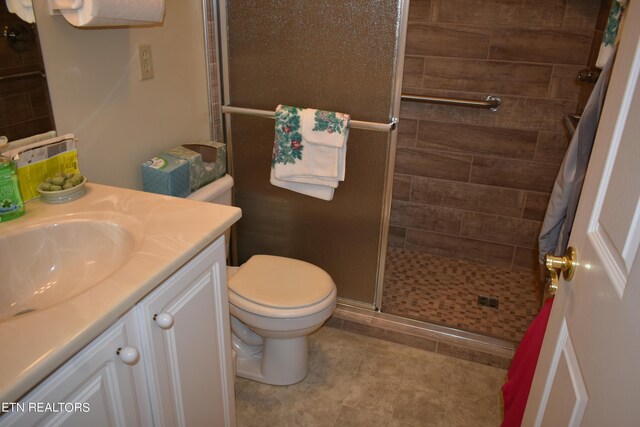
{"points": [[280, 282]]}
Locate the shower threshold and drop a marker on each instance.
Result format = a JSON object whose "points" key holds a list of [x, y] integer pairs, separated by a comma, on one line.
{"points": [[436, 338]]}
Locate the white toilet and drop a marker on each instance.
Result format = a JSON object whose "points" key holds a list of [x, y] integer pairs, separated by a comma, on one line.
{"points": [[275, 302]]}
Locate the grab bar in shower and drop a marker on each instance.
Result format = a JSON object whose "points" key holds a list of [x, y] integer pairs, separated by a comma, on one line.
{"points": [[355, 124], [491, 102], [21, 75]]}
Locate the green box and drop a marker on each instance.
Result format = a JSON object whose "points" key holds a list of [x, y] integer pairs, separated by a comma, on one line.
{"points": [[214, 158]]}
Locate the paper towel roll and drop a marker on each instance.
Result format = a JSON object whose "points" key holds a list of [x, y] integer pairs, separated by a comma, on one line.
{"points": [[22, 8], [103, 13]]}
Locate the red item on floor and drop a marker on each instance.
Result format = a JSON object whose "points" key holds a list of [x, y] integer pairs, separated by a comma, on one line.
{"points": [[520, 376]]}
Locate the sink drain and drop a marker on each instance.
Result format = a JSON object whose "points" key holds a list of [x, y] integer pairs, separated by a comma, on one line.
{"points": [[488, 301]]}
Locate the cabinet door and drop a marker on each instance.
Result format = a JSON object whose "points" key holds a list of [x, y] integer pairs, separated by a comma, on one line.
{"points": [[187, 347], [95, 388]]}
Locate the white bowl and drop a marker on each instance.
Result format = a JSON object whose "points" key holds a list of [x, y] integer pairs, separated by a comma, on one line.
{"points": [[63, 196]]}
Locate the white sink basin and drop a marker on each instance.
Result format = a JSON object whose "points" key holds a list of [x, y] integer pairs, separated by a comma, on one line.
{"points": [[45, 264]]}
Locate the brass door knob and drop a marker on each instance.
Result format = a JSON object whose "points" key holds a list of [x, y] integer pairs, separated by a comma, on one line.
{"points": [[567, 264]]}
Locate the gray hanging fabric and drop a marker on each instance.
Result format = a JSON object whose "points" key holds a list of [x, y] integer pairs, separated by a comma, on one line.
{"points": [[558, 220]]}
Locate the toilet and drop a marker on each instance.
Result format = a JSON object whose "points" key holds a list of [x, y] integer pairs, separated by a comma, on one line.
{"points": [[275, 303]]}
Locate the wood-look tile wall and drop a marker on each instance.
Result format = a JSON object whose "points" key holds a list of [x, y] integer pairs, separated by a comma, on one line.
{"points": [[471, 183], [214, 65], [25, 108]]}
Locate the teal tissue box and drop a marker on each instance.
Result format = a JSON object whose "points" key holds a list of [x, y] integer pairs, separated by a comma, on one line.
{"points": [[166, 174]]}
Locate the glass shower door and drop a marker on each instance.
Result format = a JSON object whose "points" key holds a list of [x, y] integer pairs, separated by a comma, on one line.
{"points": [[338, 56]]}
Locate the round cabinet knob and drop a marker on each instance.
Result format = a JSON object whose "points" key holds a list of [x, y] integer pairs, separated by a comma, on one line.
{"points": [[128, 355], [164, 320]]}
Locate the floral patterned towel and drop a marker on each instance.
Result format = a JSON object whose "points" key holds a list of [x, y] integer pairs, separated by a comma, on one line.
{"points": [[612, 32], [309, 150]]}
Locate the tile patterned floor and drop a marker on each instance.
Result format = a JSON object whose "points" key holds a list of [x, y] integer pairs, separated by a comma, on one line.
{"points": [[445, 291], [356, 380]]}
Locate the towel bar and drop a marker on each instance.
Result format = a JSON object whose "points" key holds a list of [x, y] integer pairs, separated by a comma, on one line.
{"points": [[355, 124], [491, 102], [21, 75]]}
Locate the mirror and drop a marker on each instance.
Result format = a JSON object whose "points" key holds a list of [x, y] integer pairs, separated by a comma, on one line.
{"points": [[25, 107]]}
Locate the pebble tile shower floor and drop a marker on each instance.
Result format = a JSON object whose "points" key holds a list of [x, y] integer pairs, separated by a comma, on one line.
{"points": [[355, 380], [445, 291]]}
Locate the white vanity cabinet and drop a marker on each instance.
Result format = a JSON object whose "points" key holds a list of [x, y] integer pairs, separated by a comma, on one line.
{"points": [[115, 392], [182, 375], [187, 347]]}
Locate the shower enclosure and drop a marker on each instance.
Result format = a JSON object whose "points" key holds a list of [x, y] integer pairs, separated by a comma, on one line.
{"points": [[437, 220], [471, 186], [337, 56]]}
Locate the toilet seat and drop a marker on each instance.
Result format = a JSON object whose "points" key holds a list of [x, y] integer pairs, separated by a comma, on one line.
{"points": [[280, 287]]}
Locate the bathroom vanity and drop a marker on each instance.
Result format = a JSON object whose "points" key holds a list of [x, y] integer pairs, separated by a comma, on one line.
{"points": [[148, 343]]}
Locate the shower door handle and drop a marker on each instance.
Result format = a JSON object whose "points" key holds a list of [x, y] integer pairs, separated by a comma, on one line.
{"points": [[567, 264]]}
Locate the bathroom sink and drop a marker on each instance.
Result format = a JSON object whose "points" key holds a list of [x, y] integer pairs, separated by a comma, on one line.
{"points": [[45, 264]]}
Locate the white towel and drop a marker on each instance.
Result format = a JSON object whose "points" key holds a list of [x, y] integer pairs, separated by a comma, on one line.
{"points": [[22, 8], [309, 151], [612, 32]]}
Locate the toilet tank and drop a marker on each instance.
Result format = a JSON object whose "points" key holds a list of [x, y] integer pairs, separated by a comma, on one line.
{"points": [[219, 191]]}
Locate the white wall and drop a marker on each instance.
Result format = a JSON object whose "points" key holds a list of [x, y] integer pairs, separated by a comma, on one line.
{"points": [[97, 94]]}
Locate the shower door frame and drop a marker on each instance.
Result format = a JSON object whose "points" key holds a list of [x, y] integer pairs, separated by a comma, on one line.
{"points": [[222, 52]]}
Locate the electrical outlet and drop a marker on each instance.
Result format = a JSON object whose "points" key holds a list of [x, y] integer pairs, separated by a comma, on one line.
{"points": [[146, 61]]}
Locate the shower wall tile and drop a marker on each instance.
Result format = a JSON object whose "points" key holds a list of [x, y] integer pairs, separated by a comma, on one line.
{"points": [[500, 12], [555, 47], [466, 196], [459, 247], [603, 14], [487, 76], [564, 84], [581, 14], [397, 236], [535, 205], [495, 228], [420, 10], [436, 164], [39, 103], [216, 109], [546, 13], [471, 139], [551, 147], [494, 170], [595, 47], [447, 40], [413, 71], [407, 131], [18, 107], [526, 258], [425, 217], [24, 102], [401, 187], [517, 174], [27, 128]]}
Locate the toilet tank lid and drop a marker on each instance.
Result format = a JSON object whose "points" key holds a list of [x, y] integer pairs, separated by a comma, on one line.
{"points": [[280, 282]]}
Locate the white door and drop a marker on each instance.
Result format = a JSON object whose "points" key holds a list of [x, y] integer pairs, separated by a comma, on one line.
{"points": [[588, 373]]}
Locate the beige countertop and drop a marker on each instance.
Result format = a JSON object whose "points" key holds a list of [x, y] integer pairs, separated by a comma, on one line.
{"points": [[171, 232]]}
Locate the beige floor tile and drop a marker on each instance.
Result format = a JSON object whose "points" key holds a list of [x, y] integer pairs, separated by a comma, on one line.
{"points": [[473, 398], [419, 407], [356, 380], [350, 417], [375, 395]]}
